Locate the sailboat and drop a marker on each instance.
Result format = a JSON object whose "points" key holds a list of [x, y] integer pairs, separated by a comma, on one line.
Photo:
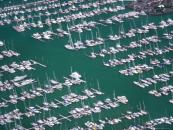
{"points": [[70, 44]]}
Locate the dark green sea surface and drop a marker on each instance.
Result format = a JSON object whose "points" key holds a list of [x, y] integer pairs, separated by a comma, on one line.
{"points": [[60, 61]]}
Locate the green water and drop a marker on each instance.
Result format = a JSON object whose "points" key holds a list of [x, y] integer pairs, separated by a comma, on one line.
{"points": [[59, 61]]}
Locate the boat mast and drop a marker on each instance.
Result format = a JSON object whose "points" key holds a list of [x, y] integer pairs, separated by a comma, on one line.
{"points": [[70, 38]]}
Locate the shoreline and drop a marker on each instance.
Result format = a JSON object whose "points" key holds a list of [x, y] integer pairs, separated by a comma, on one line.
{"points": [[151, 8]]}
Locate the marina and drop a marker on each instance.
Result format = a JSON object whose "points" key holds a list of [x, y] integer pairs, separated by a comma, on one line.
{"points": [[85, 65]]}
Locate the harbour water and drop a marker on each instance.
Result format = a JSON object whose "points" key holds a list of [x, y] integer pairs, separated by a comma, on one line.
{"points": [[61, 62]]}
